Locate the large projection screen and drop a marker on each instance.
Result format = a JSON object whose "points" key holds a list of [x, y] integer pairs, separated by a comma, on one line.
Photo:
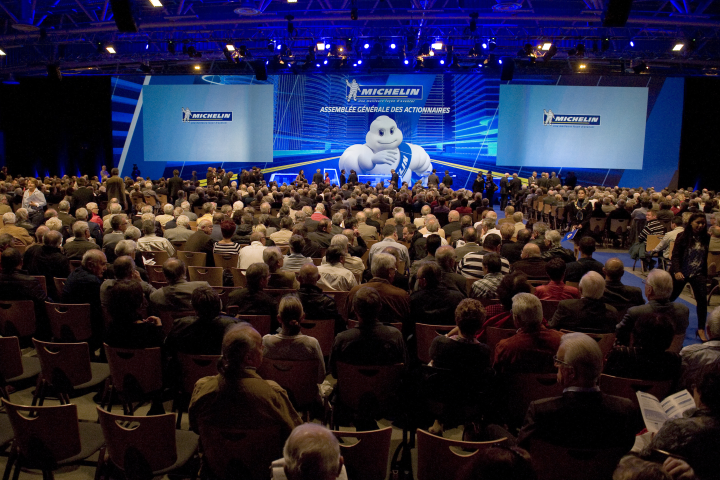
{"points": [[581, 127], [208, 123]]}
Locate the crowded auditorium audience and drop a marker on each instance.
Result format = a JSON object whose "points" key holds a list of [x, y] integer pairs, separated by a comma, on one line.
{"points": [[385, 265]]}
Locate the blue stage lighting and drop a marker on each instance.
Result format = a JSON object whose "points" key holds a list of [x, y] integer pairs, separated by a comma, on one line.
{"points": [[406, 62], [327, 46], [325, 62], [442, 62], [480, 65], [354, 64], [359, 62], [392, 45], [484, 45], [267, 62], [500, 62], [279, 47], [317, 65], [366, 46], [632, 44]]}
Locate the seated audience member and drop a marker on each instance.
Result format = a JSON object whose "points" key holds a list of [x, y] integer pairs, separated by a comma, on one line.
{"points": [[118, 225], [462, 352], [15, 231], [530, 263], [658, 288], [632, 467], [400, 280], [237, 398], [177, 295], [312, 452], [81, 243], [395, 301], [486, 287], [201, 242], [553, 240], [652, 227], [513, 250], [677, 228], [167, 215], [127, 327], [556, 288], [532, 348], [390, 239], [695, 437], [15, 284], [583, 417], [273, 258], [317, 305], [470, 239], [371, 343], [323, 234], [432, 303], [445, 257], [124, 269], [333, 273], [500, 315], [295, 259], [695, 357], [252, 253], [471, 264], [151, 242], [202, 333], [356, 244], [432, 243], [290, 344], [181, 232], [83, 286], [576, 270], [616, 293], [590, 313], [32, 250], [648, 358], [251, 300], [50, 262], [282, 236], [226, 245], [354, 264]]}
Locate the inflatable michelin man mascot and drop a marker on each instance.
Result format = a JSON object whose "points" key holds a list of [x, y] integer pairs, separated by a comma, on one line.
{"points": [[384, 150]]}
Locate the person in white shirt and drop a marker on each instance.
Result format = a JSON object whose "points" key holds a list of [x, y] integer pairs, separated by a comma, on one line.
{"points": [[390, 239], [333, 273], [253, 253], [151, 242], [354, 264], [167, 214]]}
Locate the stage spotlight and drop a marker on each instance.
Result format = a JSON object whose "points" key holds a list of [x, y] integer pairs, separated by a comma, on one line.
{"points": [[320, 46], [156, 3], [500, 61], [2, 53], [279, 46], [197, 67], [442, 62], [317, 65], [230, 47], [354, 64], [110, 49], [582, 66], [546, 46], [366, 46], [632, 44], [605, 44], [639, 68], [438, 45], [325, 62], [393, 46], [484, 45], [406, 61], [147, 46], [327, 46], [359, 62], [678, 47]]}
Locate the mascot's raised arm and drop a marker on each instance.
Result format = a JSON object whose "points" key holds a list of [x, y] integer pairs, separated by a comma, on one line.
{"points": [[384, 150]]}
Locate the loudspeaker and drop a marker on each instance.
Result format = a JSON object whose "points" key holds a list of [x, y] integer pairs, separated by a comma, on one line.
{"points": [[616, 13], [508, 70], [258, 67], [122, 12]]}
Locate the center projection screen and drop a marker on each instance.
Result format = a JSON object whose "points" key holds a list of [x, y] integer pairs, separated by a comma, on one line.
{"points": [[204, 123], [563, 126]]}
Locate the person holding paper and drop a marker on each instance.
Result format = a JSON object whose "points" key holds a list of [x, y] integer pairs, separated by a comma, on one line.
{"points": [[583, 417], [695, 438]]}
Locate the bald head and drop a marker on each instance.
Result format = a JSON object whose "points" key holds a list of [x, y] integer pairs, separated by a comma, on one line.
{"points": [[614, 269], [530, 250]]}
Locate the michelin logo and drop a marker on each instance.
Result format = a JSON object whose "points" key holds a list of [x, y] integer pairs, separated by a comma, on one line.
{"points": [[189, 116], [550, 118], [357, 92]]}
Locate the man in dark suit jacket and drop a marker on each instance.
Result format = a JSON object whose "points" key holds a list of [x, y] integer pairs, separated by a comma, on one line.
{"points": [[504, 190], [201, 241], [83, 195], [453, 224], [590, 313], [323, 235], [317, 177], [576, 270], [617, 294], [513, 250], [530, 263], [658, 288], [175, 185], [583, 417]]}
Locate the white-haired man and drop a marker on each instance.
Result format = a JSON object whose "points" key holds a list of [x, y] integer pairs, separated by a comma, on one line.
{"points": [[590, 313], [695, 357], [14, 231], [167, 214], [311, 453], [583, 417], [181, 232]]}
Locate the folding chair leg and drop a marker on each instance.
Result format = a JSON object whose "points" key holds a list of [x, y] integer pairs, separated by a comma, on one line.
{"points": [[99, 469], [18, 466], [10, 462]]}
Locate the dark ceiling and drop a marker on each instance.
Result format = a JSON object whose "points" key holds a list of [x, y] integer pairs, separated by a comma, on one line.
{"points": [[182, 34]]}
